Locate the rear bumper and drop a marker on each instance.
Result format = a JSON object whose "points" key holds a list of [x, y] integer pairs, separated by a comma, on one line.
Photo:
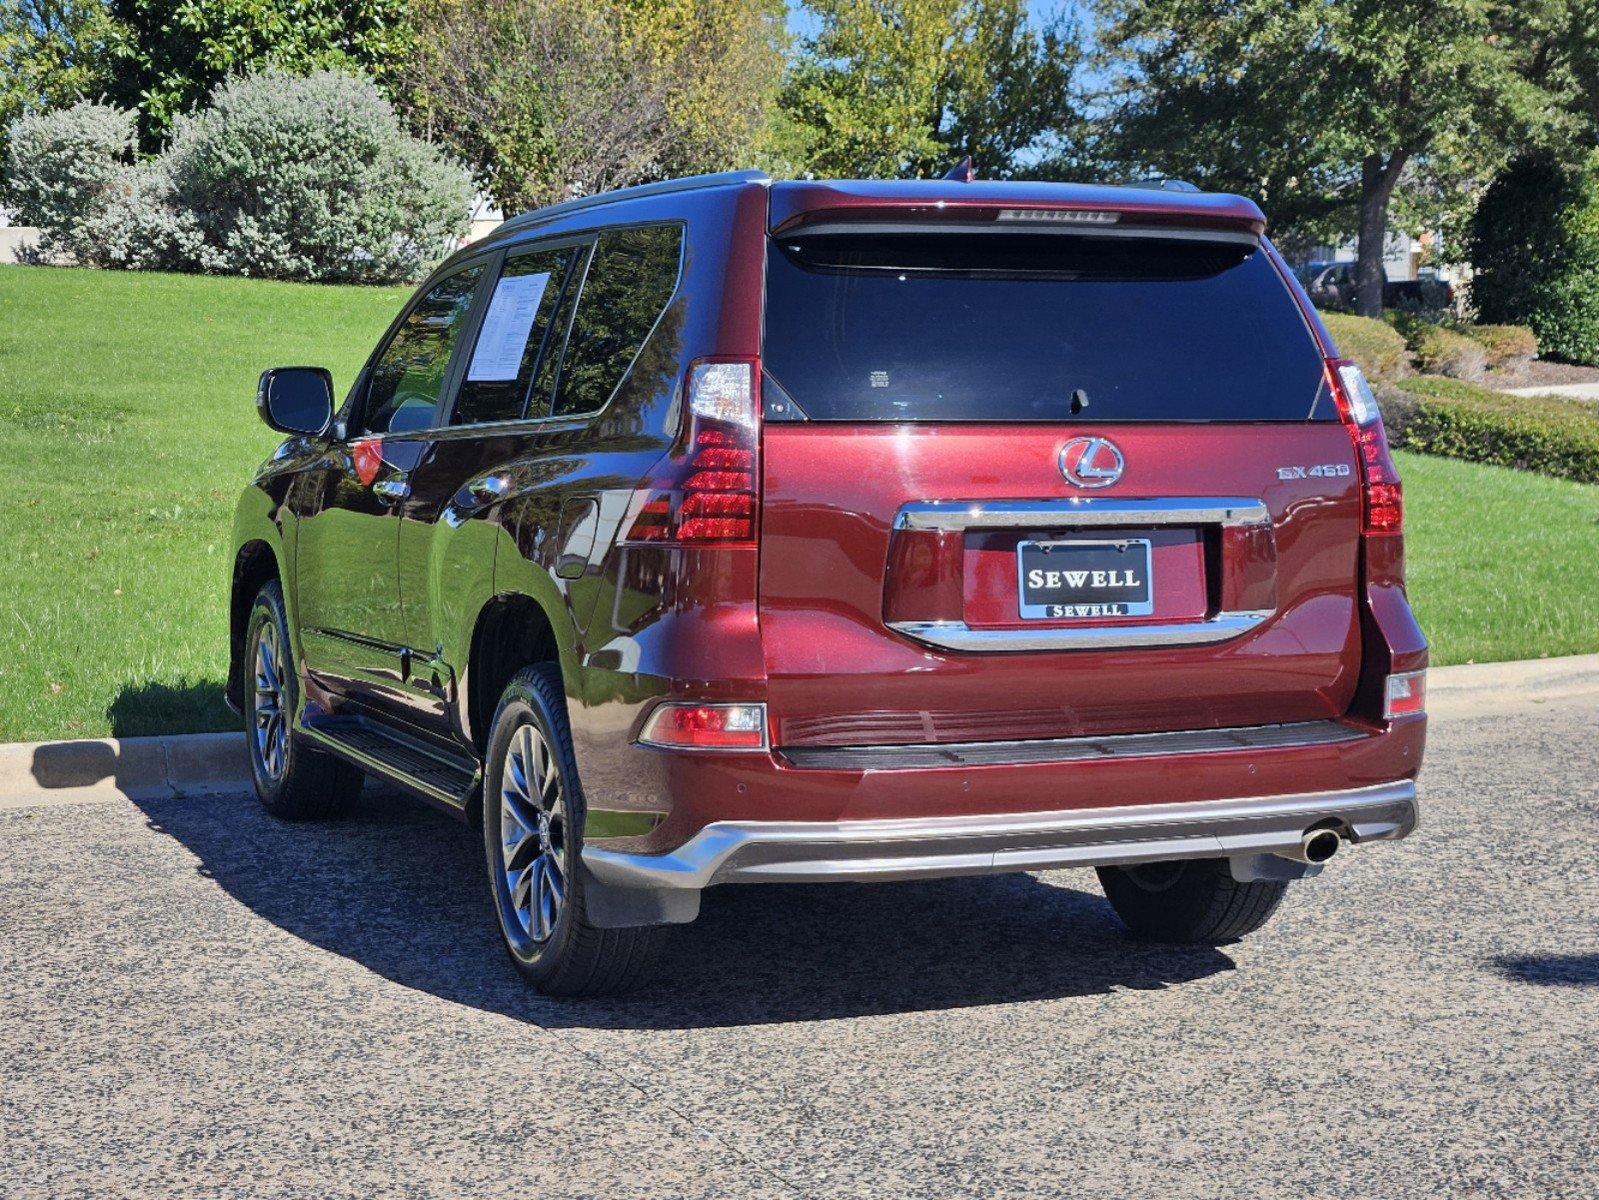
{"points": [[924, 847]]}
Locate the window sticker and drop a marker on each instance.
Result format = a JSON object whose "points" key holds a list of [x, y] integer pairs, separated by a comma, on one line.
{"points": [[500, 346]]}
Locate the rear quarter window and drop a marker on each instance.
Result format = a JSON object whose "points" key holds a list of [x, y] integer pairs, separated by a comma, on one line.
{"points": [[1010, 327], [630, 280]]}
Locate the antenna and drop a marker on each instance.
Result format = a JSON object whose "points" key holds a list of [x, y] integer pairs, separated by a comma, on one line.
{"points": [[963, 171]]}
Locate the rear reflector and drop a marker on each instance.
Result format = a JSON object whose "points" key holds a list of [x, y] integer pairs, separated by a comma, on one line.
{"points": [[1406, 695], [708, 492], [706, 727]]}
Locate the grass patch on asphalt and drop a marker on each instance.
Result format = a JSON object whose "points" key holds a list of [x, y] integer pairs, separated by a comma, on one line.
{"points": [[128, 427]]}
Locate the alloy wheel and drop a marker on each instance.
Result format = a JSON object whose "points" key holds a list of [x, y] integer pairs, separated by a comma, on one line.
{"points": [[271, 724], [533, 833]]}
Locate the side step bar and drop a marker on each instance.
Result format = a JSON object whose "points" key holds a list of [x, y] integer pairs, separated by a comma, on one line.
{"points": [[435, 774]]}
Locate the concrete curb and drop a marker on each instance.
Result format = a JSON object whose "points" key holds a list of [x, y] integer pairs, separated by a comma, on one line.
{"points": [[148, 768], [144, 768]]}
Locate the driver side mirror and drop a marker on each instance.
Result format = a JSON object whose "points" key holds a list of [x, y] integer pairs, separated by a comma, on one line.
{"points": [[297, 400]]}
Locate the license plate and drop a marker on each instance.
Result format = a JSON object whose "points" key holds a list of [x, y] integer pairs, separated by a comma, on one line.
{"points": [[1107, 578]]}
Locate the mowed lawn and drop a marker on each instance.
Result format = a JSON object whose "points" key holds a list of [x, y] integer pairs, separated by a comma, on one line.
{"points": [[128, 426]]}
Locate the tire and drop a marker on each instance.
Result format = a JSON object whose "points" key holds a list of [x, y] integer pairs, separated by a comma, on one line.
{"points": [[532, 838], [1195, 901], [294, 781]]}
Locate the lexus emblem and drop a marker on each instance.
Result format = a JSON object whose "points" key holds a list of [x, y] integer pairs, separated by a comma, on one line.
{"points": [[1091, 462]]}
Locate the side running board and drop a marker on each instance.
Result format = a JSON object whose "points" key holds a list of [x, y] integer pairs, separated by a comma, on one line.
{"points": [[432, 772]]}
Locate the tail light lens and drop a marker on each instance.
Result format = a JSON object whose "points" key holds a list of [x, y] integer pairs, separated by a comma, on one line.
{"points": [[706, 727], [706, 491], [1383, 502], [1406, 695]]}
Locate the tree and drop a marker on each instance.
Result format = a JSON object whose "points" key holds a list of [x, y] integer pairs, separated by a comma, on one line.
{"points": [[1535, 247], [546, 98], [906, 87], [1556, 46], [1317, 107], [177, 51], [53, 53]]}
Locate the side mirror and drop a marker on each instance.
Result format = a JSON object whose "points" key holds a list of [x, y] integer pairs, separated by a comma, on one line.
{"points": [[296, 399]]}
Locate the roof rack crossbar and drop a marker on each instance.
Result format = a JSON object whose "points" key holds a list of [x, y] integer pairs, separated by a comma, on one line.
{"points": [[663, 187]]}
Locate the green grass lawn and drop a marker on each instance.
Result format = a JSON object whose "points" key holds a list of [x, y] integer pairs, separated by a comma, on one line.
{"points": [[128, 426]]}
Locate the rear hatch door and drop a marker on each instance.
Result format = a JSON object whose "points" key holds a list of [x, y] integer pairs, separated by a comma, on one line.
{"points": [[1023, 484]]}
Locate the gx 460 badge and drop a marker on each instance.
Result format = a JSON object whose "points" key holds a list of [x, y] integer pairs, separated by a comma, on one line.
{"points": [[1321, 471]]}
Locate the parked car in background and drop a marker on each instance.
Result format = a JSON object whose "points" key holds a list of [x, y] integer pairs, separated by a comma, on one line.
{"points": [[1331, 286], [734, 531]]}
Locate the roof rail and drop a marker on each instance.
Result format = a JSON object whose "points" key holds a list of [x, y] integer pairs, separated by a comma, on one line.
{"points": [[691, 183]]}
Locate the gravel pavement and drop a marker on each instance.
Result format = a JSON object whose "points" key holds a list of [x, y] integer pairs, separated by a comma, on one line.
{"points": [[198, 1001]]}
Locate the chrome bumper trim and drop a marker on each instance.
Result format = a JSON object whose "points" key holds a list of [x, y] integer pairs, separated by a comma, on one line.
{"points": [[958, 635], [1082, 512], [923, 847], [925, 755]]}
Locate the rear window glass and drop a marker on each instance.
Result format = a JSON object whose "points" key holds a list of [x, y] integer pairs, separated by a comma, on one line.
{"points": [[1001, 327]]}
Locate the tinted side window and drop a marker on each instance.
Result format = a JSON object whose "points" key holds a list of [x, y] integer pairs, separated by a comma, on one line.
{"points": [[409, 376], [501, 368], [630, 279]]}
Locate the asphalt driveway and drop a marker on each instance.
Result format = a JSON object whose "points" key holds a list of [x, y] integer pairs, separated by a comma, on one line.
{"points": [[198, 1001]]}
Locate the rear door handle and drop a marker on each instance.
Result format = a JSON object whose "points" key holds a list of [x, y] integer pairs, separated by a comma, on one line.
{"points": [[392, 491]]}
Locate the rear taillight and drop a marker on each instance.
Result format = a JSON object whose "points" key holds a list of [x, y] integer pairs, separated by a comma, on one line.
{"points": [[1406, 695], [706, 727], [706, 490], [1383, 502]]}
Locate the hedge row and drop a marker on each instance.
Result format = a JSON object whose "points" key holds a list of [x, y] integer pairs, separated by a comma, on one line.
{"points": [[1460, 420], [1384, 348], [1375, 345]]}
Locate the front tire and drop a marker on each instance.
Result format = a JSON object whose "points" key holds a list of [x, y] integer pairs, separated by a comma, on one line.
{"points": [[294, 781], [532, 837], [1195, 901]]}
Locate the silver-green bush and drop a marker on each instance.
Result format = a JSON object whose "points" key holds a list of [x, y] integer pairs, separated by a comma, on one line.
{"points": [[281, 176], [313, 178], [61, 169]]}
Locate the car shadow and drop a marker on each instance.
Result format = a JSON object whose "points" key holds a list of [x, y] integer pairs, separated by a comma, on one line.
{"points": [[399, 888], [193, 706], [1550, 970]]}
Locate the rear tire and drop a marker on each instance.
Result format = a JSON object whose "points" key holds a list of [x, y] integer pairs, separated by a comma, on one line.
{"points": [[1193, 901], [532, 836], [294, 781]]}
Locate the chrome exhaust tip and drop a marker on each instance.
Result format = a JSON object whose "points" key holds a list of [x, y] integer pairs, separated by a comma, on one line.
{"points": [[1318, 845]]}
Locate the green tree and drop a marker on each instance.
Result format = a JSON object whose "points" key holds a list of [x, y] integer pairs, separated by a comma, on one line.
{"points": [[1556, 46], [546, 98], [1317, 107], [178, 50], [1535, 246], [53, 53], [887, 88]]}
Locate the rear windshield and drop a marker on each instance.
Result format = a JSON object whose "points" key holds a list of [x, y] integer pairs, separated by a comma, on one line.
{"points": [[1015, 327]]}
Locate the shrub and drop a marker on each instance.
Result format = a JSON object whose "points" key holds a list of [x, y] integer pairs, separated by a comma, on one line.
{"points": [[1535, 245], [1377, 347], [61, 169], [1503, 343], [313, 178], [1533, 433], [1439, 350]]}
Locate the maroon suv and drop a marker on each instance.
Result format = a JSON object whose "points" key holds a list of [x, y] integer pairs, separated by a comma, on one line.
{"points": [[733, 531]]}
